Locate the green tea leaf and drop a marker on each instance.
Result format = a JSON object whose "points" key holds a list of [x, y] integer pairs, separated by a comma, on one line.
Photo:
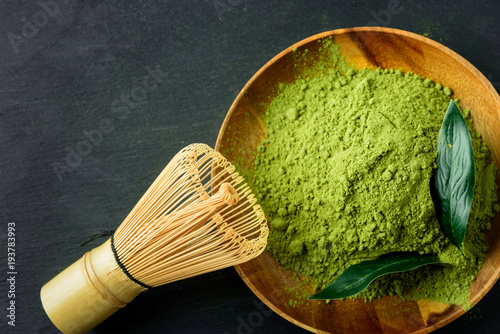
{"points": [[357, 277], [453, 182]]}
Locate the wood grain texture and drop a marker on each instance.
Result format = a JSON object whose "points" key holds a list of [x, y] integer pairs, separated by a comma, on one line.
{"points": [[243, 129]]}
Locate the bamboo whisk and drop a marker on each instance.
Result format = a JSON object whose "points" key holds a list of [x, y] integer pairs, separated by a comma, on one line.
{"points": [[198, 216]]}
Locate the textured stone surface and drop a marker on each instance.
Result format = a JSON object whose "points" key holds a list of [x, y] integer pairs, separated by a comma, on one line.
{"points": [[126, 86]]}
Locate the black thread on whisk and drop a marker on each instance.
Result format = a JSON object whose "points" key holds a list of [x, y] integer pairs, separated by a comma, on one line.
{"points": [[93, 237], [122, 266]]}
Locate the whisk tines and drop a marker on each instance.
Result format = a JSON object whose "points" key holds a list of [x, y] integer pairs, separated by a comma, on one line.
{"points": [[198, 216]]}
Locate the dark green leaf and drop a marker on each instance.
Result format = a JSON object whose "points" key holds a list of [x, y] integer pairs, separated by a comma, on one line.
{"points": [[357, 277], [453, 182]]}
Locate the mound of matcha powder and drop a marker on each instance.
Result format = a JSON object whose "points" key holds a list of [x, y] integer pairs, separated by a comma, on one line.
{"points": [[343, 175]]}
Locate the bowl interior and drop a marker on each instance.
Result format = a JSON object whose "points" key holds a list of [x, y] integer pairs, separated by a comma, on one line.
{"points": [[244, 128]]}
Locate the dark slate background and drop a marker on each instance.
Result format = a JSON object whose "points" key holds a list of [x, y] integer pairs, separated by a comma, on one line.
{"points": [[70, 68]]}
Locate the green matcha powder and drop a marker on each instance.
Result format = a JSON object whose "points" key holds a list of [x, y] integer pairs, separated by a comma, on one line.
{"points": [[343, 175]]}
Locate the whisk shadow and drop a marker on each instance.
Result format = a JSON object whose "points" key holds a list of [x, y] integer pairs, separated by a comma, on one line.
{"points": [[201, 304]]}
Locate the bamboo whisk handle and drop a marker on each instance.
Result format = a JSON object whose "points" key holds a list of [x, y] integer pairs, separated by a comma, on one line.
{"points": [[88, 292]]}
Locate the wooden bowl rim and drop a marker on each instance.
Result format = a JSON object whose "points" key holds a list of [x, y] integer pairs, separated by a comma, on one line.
{"points": [[493, 278]]}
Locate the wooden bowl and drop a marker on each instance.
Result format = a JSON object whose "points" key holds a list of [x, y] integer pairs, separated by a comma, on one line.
{"points": [[244, 128]]}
